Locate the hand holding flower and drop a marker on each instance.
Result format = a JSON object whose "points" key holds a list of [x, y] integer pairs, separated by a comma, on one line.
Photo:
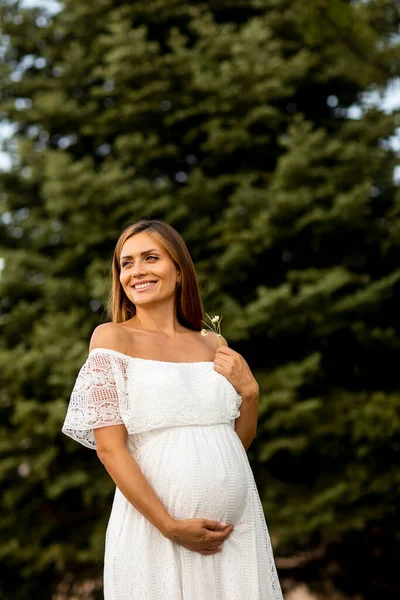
{"points": [[234, 367], [231, 364]]}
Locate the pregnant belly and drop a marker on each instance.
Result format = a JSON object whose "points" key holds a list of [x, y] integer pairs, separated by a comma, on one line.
{"points": [[196, 471]]}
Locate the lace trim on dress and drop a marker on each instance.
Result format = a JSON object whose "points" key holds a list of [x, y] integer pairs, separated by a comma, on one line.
{"points": [[95, 399], [113, 388]]}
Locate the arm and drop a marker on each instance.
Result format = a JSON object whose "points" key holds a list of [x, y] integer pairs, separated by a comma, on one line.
{"points": [[127, 476], [234, 367], [246, 423]]}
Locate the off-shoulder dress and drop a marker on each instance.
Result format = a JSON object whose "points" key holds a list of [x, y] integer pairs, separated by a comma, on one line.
{"points": [[180, 423]]}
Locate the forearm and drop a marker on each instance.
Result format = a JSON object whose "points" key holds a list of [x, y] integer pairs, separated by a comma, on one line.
{"points": [[130, 480], [246, 423]]}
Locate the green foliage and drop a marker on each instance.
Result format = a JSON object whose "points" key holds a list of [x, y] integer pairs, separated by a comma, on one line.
{"points": [[230, 121]]}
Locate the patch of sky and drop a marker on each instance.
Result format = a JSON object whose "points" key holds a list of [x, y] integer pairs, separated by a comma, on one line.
{"points": [[51, 6], [7, 131], [388, 101]]}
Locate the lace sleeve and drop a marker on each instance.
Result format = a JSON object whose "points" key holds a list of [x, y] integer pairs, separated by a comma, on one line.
{"points": [[95, 399]]}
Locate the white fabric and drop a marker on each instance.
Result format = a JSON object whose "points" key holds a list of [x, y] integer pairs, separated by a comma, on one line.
{"points": [[180, 421]]}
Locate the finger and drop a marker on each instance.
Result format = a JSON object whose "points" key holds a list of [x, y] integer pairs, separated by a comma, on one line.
{"points": [[205, 550], [188, 547], [200, 549], [222, 360], [194, 549], [210, 551], [220, 368], [225, 350], [222, 357], [224, 527], [219, 536], [214, 525], [212, 544]]}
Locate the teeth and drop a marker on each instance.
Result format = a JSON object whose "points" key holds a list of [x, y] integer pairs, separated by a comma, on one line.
{"points": [[139, 286]]}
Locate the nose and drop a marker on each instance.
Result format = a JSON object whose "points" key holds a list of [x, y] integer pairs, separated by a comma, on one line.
{"points": [[137, 270]]}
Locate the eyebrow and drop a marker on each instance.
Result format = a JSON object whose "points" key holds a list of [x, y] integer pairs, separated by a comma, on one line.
{"points": [[141, 254]]}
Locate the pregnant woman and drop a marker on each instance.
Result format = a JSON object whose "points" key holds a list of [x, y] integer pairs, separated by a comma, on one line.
{"points": [[171, 413]]}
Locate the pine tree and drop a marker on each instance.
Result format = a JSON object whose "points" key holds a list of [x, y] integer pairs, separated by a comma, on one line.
{"points": [[230, 121]]}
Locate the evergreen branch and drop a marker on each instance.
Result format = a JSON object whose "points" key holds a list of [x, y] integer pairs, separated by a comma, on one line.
{"points": [[356, 50]]}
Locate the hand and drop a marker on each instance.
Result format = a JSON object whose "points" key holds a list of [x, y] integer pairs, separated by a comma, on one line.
{"points": [[233, 366], [201, 535]]}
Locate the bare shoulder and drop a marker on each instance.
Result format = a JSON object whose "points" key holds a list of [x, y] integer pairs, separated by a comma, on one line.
{"points": [[109, 335], [223, 341], [212, 340]]}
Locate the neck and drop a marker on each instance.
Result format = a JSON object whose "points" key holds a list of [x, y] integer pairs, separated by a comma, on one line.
{"points": [[158, 319]]}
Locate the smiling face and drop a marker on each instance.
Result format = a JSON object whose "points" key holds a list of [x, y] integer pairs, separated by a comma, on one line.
{"points": [[148, 273]]}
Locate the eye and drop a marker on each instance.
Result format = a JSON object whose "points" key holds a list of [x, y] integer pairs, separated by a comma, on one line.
{"points": [[152, 256], [126, 262]]}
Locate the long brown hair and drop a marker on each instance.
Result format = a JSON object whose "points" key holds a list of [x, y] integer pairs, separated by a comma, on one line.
{"points": [[189, 308]]}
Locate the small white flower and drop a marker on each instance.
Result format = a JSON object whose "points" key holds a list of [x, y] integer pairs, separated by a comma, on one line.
{"points": [[215, 326]]}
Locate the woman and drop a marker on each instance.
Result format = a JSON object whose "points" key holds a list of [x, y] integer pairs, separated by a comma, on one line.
{"points": [[159, 402]]}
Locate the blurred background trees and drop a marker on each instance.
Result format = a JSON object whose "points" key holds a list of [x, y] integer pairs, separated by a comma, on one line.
{"points": [[245, 125]]}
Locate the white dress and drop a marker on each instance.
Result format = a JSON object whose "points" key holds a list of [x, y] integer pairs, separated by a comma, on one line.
{"points": [[180, 423]]}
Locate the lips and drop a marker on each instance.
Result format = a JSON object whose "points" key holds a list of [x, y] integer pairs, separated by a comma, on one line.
{"points": [[144, 285]]}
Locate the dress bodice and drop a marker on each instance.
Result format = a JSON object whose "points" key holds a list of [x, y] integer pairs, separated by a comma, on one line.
{"points": [[113, 388]]}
